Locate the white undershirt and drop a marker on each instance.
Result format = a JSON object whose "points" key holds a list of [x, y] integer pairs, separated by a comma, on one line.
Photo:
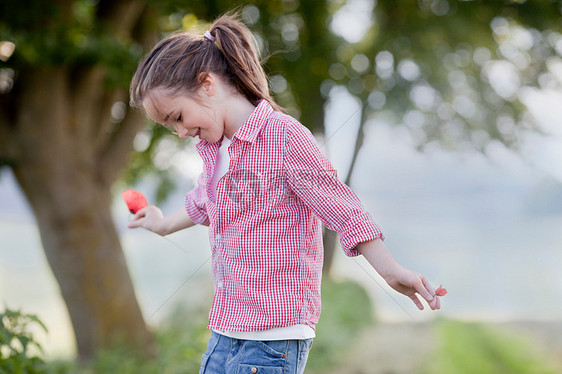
{"points": [[221, 165], [299, 331], [295, 332]]}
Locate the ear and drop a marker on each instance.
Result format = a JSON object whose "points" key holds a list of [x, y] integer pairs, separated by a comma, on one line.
{"points": [[208, 84]]}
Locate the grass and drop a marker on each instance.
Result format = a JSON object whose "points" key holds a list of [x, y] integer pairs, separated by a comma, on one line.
{"points": [[180, 343], [475, 348], [182, 340]]}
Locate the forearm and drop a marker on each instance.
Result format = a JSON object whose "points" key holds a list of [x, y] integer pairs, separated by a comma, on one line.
{"points": [[174, 222], [379, 257], [399, 278]]}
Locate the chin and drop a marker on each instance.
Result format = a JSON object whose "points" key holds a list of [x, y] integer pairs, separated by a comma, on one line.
{"points": [[214, 138]]}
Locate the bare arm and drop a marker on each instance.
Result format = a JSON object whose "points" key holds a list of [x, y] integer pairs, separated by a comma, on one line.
{"points": [[399, 278], [151, 218]]}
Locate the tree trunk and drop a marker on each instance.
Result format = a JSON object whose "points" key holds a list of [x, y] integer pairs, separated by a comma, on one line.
{"points": [[329, 237], [60, 174]]}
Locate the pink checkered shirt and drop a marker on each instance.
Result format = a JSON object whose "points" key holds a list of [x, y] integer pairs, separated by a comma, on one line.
{"points": [[265, 225]]}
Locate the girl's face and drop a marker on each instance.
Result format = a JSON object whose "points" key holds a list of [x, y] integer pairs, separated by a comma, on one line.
{"points": [[184, 115]]}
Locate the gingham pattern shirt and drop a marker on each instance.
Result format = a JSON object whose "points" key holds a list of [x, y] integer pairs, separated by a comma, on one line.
{"points": [[265, 223]]}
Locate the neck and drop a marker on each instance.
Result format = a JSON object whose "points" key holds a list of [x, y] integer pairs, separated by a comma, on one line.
{"points": [[237, 112]]}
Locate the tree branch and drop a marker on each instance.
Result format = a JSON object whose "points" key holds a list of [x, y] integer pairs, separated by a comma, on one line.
{"points": [[8, 147], [358, 142], [105, 122], [88, 96], [120, 17], [93, 102], [114, 159], [9, 150], [115, 150]]}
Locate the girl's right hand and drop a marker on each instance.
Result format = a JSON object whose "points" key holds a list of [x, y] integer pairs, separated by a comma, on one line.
{"points": [[150, 218]]}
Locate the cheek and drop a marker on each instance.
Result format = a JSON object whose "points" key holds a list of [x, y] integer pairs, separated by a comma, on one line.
{"points": [[150, 113], [210, 124]]}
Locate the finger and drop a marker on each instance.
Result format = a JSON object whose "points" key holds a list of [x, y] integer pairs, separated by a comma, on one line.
{"points": [[136, 223], [425, 289], [142, 212], [433, 303], [417, 301], [139, 214], [137, 219], [428, 286]]}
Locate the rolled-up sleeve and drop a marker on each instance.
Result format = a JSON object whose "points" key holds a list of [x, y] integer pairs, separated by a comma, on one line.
{"points": [[195, 203], [313, 179]]}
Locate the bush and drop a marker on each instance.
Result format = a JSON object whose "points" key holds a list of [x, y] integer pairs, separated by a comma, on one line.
{"points": [[17, 344], [180, 342], [346, 310], [470, 347]]}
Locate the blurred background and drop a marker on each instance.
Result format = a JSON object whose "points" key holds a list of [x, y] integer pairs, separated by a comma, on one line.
{"points": [[444, 116]]}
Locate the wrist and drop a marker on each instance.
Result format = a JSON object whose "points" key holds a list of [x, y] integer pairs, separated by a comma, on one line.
{"points": [[162, 228], [380, 258], [391, 272]]}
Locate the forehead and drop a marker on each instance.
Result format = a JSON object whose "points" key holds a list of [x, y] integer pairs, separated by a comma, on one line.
{"points": [[158, 104]]}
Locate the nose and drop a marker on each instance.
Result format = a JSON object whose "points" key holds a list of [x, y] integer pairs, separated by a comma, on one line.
{"points": [[182, 134]]}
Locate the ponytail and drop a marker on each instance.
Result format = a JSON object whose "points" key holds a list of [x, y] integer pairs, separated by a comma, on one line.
{"points": [[176, 62]]}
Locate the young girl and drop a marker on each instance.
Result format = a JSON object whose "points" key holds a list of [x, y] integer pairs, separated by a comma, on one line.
{"points": [[265, 190]]}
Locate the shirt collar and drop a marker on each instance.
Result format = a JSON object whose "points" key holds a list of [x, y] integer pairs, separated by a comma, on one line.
{"points": [[252, 126]]}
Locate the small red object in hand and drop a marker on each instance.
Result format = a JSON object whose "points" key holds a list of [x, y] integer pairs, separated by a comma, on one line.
{"points": [[441, 291], [135, 200]]}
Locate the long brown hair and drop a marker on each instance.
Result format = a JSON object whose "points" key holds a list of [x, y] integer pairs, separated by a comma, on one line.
{"points": [[177, 61]]}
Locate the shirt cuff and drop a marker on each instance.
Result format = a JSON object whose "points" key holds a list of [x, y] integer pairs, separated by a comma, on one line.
{"points": [[359, 229], [198, 215]]}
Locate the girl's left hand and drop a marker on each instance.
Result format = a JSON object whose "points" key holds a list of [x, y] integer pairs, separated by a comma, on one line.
{"points": [[411, 284]]}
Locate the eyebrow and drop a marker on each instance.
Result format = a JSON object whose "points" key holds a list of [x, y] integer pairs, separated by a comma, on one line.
{"points": [[168, 116]]}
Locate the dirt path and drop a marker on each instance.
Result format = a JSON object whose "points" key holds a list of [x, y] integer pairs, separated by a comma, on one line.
{"points": [[403, 348], [390, 348], [546, 336]]}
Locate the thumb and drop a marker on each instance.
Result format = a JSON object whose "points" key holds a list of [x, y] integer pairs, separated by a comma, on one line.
{"points": [[134, 224], [137, 219]]}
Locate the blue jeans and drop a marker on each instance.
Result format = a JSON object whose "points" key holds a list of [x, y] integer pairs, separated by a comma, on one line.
{"points": [[226, 355]]}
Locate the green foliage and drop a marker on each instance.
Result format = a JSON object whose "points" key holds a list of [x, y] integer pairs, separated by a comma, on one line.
{"points": [[439, 38], [180, 342], [17, 344], [449, 47], [346, 310], [47, 35], [466, 348]]}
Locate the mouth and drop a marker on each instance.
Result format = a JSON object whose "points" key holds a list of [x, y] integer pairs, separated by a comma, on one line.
{"points": [[197, 133]]}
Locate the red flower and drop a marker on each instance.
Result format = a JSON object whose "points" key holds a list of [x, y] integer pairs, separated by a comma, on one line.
{"points": [[441, 291], [135, 200]]}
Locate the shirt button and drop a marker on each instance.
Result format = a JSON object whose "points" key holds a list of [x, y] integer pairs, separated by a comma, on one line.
{"points": [[218, 237], [220, 284], [254, 370]]}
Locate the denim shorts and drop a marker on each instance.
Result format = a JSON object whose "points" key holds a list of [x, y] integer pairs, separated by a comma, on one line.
{"points": [[226, 355]]}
